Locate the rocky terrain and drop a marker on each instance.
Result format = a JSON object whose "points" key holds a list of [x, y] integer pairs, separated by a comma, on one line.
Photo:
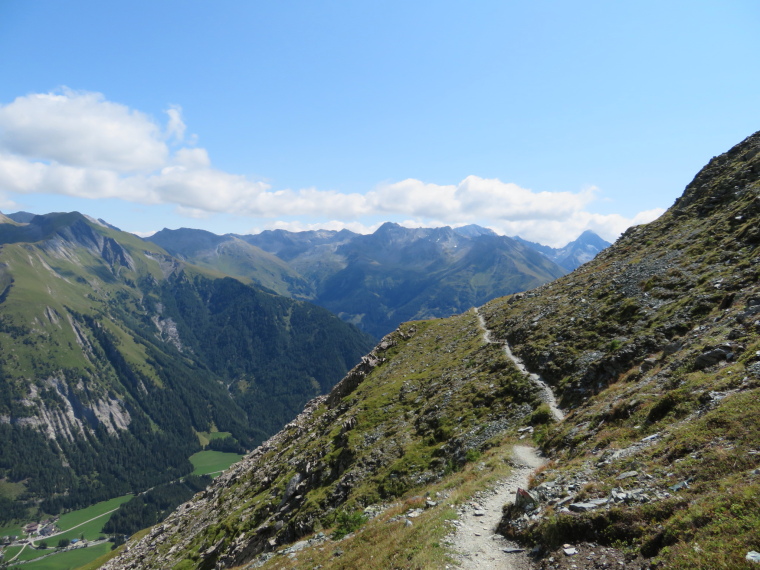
{"points": [[652, 351]]}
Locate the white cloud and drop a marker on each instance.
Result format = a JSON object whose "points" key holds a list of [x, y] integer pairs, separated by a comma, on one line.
{"points": [[146, 234], [81, 129], [476, 198], [647, 216], [79, 144], [415, 198], [192, 158], [194, 213], [557, 233], [7, 203]]}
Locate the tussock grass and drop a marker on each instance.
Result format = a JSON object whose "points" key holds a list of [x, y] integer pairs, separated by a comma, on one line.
{"points": [[387, 542]]}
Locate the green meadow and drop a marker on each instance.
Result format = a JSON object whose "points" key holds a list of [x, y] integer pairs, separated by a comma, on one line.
{"points": [[208, 462], [68, 560]]}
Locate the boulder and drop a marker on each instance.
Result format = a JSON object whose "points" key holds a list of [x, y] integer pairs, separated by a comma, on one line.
{"points": [[525, 500]]}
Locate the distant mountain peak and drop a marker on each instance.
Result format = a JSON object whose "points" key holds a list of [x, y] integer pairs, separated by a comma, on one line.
{"points": [[21, 217], [473, 230], [579, 251]]}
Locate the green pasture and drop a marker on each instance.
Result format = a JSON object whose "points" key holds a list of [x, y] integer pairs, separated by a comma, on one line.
{"points": [[30, 552], [69, 523], [68, 560], [12, 530], [206, 462], [204, 437], [9, 552]]}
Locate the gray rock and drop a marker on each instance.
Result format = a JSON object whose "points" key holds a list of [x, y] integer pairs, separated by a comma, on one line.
{"points": [[582, 507], [525, 500], [647, 365], [711, 357], [599, 502], [627, 475]]}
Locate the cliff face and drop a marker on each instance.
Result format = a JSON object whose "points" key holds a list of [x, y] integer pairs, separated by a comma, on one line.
{"points": [[653, 350]]}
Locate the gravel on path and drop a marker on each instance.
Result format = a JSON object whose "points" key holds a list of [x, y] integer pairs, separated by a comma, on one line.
{"points": [[475, 540]]}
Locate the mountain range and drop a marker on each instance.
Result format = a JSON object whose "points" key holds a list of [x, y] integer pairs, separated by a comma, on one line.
{"points": [[116, 355], [652, 350], [379, 280]]}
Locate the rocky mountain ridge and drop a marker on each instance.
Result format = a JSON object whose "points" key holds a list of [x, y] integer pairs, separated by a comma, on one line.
{"points": [[379, 280], [653, 350], [574, 254]]}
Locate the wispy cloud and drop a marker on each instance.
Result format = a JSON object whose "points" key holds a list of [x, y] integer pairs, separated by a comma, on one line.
{"points": [[79, 144]]}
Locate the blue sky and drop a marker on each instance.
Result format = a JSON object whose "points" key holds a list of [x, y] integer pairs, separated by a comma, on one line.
{"points": [[541, 118]]}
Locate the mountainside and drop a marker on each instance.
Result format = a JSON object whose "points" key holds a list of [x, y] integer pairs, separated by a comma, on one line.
{"points": [[233, 256], [115, 355], [380, 280], [575, 253], [398, 274], [653, 350]]}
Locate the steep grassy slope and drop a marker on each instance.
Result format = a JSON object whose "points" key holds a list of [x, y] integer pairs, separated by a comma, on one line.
{"points": [[429, 399], [655, 346], [114, 355], [653, 349]]}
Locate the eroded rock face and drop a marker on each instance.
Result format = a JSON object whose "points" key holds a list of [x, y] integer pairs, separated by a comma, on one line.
{"points": [[66, 412]]}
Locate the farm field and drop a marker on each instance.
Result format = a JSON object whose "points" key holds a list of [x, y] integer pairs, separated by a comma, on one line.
{"points": [[68, 560], [212, 462], [69, 523], [86, 523], [11, 530]]}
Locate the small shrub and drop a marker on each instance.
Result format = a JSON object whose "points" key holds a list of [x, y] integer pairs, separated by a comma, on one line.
{"points": [[472, 455], [348, 522], [541, 415]]}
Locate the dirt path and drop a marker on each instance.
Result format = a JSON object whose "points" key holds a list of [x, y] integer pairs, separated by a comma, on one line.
{"points": [[475, 540], [547, 395]]}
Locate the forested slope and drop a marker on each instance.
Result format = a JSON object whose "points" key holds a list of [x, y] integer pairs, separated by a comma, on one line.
{"points": [[114, 355]]}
